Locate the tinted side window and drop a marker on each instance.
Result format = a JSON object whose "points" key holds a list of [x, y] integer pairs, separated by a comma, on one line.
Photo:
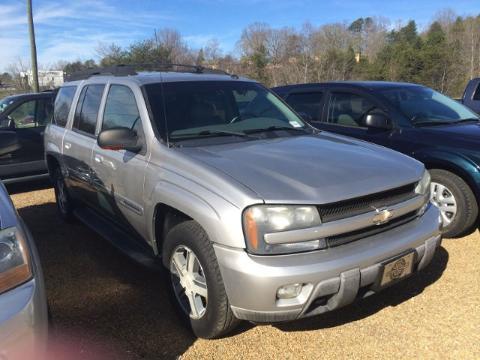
{"points": [[23, 116], [307, 103], [63, 101], [120, 108], [348, 109], [476, 96], [87, 108], [44, 111]]}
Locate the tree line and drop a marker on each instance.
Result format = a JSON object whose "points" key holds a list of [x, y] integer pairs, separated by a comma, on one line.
{"points": [[444, 56]]}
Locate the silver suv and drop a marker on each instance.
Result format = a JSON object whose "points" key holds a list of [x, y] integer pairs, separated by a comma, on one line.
{"points": [[255, 214]]}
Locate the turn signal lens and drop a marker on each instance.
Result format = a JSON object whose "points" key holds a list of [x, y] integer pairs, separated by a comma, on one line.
{"points": [[251, 229]]}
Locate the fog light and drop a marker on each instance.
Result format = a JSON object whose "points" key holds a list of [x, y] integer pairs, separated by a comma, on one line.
{"points": [[289, 291]]}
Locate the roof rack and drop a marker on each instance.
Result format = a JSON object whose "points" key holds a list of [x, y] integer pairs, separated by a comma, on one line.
{"points": [[115, 70], [131, 69]]}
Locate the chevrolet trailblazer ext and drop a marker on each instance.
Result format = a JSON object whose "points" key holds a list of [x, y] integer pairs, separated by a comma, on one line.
{"points": [[255, 214]]}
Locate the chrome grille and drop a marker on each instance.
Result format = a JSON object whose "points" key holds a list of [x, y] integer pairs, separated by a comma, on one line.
{"points": [[364, 204], [345, 238]]}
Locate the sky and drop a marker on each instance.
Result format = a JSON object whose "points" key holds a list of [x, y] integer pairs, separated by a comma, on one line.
{"points": [[72, 29]]}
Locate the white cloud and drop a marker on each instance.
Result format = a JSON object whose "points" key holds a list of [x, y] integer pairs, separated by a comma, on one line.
{"points": [[70, 30]]}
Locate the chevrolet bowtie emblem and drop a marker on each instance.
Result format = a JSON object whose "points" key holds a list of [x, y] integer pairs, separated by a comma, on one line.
{"points": [[382, 216]]}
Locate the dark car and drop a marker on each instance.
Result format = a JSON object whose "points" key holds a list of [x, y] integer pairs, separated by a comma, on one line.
{"points": [[412, 119], [22, 123], [471, 95]]}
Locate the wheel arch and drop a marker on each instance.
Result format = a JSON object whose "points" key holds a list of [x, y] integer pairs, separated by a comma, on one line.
{"points": [[165, 217], [458, 165]]}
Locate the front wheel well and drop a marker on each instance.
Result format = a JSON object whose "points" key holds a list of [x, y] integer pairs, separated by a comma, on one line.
{"points": [[455, 170], [165, 218]]}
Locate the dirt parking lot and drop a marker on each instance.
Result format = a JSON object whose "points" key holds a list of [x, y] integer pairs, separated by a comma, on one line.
{"points": [[102, 303]]}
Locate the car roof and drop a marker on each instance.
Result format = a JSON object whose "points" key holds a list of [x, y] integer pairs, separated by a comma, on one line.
{"points": [[143, 78], [370, 85], [16, 97]]}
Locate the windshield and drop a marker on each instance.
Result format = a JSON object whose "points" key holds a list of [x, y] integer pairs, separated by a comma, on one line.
{"points": [[426, 106], [5, 102], [198, 109]]}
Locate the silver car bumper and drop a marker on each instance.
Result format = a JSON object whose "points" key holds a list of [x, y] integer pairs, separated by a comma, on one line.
{"points": [[332, 278], [23, 322]]}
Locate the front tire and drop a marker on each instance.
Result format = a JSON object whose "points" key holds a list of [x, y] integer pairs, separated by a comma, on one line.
{"points": [[456, 201], [63, 199], [195, 281]]}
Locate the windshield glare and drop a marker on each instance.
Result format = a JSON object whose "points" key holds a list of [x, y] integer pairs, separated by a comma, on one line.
{"points": [[5, 102], [424, 105], [200, 108]]}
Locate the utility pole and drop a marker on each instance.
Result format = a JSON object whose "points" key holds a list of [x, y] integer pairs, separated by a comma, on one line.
{"points": [[33, 46]]}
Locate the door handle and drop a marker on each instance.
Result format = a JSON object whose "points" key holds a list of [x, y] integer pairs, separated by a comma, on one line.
{"points": [[98, 158], [67, 145]]}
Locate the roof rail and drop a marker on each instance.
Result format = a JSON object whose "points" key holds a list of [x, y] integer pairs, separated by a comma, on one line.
{"points": [[115, 70], [131, 69], [198, 69]]}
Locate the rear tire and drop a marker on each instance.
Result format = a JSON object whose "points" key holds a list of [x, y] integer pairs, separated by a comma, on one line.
{"points": [[212, 316], [63, 199], [450, 192]]}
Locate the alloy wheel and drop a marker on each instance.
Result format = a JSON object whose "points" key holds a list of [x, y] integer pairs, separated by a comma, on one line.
{"points": [[443, 198], [189, 282]]}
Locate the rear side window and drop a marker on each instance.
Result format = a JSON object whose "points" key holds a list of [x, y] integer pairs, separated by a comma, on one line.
{"points": [[87, 108], [44, 111], [63, 101], [120, 109], [307, 103]]}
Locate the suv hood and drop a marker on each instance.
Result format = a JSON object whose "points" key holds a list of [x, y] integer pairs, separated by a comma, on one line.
{"points": [[316, 169]]}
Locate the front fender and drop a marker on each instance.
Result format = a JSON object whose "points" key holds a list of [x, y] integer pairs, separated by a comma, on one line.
{"points": [[457, 163], [220, 219]]}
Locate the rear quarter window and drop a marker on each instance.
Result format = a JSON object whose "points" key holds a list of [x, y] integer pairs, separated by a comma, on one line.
{"points": [[62, 105]]}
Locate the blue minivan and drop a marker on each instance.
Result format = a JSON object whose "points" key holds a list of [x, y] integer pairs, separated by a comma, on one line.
{"points": [[412, 119]]}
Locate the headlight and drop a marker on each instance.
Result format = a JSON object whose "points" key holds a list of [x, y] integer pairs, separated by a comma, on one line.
{"points": [[14, 259], [423, 186], [259, 220]]}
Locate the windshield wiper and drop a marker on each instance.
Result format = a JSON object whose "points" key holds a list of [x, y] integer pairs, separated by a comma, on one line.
{"points": [[466, 120], [275, 128], [212, 133], [432, 123]]}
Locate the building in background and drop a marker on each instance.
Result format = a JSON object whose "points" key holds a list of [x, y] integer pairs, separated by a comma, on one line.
{"points": [[47, 79]]}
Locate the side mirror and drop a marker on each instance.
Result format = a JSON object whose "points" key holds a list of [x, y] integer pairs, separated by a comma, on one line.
{"points": [[10, 122], [121, 138], [378, 120]]}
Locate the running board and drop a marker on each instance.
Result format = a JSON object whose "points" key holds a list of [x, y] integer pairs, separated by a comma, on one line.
{"points": [[125, 243]]}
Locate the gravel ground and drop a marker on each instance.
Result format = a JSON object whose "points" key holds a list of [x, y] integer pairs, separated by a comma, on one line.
{"points": [[104, 305]]}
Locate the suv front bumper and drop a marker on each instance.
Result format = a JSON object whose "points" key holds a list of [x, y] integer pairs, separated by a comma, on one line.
{"points": [[331, 278]]}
